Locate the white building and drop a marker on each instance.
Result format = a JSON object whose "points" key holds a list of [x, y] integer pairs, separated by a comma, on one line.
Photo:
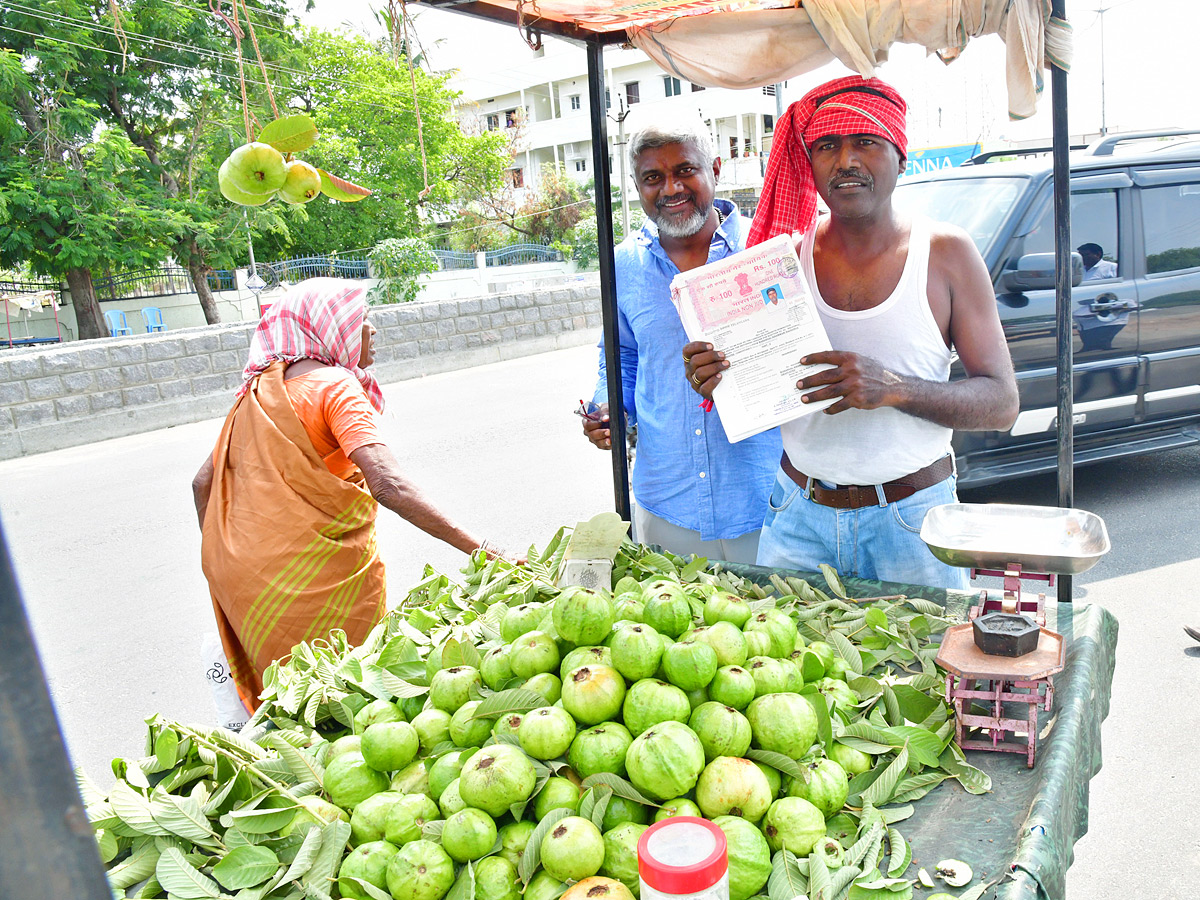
{"points": [[542, 103]]}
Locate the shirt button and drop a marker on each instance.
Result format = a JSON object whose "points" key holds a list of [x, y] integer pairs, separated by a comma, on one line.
{"points": [[701, 474], [698, 432]]}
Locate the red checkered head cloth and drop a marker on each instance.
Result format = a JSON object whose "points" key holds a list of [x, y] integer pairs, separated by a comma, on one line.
{"points": [[321, 319], [850, 105]]}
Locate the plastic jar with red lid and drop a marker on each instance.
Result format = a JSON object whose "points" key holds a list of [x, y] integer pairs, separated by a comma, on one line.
{"points": [[683, 858]]}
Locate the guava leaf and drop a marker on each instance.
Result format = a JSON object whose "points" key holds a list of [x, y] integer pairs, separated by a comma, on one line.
{"points": [[917, 786], [432, 830], [464, 887], [290, 134], [884, 786], [138, 866], [245, 867], [507, 702], [778, 761], [786, 881], [603, 796], [847, 651], [305, 855], [183, 817], [133, 809], [620, 787], [340, 189], [835, 583], [262, 820], [181, 879], [400, 688], [532, 857], [368, 889], [333, 844]]}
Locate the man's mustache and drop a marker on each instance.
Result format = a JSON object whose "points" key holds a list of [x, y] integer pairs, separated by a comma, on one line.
{"points": [[844, 175], [663, 201]]}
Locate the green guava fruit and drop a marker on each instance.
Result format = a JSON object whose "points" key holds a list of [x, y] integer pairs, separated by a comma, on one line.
{"points": [[467, 731], [636, 651], [598, 888], [347, 743], [826, 789], [547, 684], [494, 668], [782, 637], [838, 668], [496, 879], [843, 829], [731, 786], [451, 800], [678, 806], [697, 698], [432, 727], [420, 870], [368, 862], [628, 607], [601, 748], [728, 642], [256, 168], [584, 656], [651, 701], [690, 664], [621, 812], [451, 688], [390, 746], [513, 838], [665, 761], [375, 712], [666, 610], [349, 781], [793, 824], [725, 607], [469, 834], [231, 192], [556, 793], [543, 886], [509, 724], [546, 732], [521, 619], [723, 731], [496, 777], [313, 810], [773, 676], [369, 819], [843, 697], [406, 816], [445, 769], [824, 651], [749, 856], [593, 694], [758, 643], [573, 849], [855, 762], [733, 686], [582, 616], [412, 779], [782, 723], [773, 776], [301, 182], [621, 854], [830, 851], [532, 653]]}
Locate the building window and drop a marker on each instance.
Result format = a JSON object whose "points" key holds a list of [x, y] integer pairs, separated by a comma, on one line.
{"points": [[607, 99], [511, 118], [516, 178], [671, 86], [769, 90], [697, 87], [633, 93], [574, 101], [493, 122], [733, 148], [610, 164], [581, 165], [768, 123]]}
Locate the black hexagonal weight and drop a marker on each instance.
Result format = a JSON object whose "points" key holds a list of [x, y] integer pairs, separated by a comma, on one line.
{"points": [[1006, 634]]}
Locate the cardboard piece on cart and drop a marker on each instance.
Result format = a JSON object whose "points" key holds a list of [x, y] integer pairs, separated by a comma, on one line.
{"points": [[591, 550]]}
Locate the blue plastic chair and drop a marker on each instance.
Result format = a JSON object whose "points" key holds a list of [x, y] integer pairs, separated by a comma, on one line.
{"points": [[117, 324], [152, 316]]}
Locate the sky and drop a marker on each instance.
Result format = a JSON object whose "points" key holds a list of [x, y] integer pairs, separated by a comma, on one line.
{"points": [[1150, 78]]}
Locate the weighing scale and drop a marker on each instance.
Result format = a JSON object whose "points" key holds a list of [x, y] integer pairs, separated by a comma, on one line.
{"points": [[1014, 542]]}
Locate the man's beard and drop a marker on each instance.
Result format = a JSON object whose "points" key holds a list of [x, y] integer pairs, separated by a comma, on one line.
{"points": [[675, 228]]}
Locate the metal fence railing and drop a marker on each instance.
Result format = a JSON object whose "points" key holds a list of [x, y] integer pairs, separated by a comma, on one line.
{"points": [[517, 254], [156, 282], [222, 280], [302, 267], [454, 259], [8, 288]]}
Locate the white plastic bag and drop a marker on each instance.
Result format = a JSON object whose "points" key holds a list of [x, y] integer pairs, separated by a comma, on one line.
{"points": [[231, 712]]}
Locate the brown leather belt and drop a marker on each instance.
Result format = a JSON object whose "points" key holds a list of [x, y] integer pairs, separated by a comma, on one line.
{"points": [[856, 496]]}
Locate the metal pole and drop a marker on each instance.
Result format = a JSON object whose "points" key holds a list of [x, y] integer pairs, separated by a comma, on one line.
{"points": [[620, 147], [608, 284], [1062, 291], [253, 264], [1103, 112], [47, 848]]}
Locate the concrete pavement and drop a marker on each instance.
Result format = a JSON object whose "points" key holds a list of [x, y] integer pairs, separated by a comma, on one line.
{"points": [[107, 550]]}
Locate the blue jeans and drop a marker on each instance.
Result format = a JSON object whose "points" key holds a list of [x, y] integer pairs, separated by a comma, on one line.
{"points": [[875, 542]]}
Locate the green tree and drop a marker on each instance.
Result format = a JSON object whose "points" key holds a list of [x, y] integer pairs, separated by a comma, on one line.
{"points": [[74, 195], [362, 102]]}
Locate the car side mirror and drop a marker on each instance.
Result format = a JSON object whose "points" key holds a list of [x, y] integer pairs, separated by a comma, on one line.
{"points": [[1035, 272]]}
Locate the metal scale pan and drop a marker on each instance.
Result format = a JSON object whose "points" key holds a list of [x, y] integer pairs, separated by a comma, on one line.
{"points": [[1048, 539]]}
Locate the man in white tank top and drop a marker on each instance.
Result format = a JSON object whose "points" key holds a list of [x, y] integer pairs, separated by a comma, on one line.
{"points": [[894, 294]]}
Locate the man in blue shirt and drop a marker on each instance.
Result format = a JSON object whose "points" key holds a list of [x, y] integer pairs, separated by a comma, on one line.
{"points": [[694, 491]]}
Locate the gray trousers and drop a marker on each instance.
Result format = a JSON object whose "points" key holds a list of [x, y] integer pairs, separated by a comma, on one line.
{"points": [[650, 529]]}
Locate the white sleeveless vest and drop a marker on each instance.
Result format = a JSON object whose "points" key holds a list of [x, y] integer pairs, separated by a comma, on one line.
{"points": [[873, 446]]}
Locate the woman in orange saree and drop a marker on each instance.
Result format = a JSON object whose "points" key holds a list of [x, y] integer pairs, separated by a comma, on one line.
{"points": [[287, 500]]}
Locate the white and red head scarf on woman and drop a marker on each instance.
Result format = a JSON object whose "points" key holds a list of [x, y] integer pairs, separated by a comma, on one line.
{"points": [[850, 105], [321, 319]]}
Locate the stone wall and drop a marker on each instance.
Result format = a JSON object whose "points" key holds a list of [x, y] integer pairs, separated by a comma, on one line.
{"points": [[86, 391]]}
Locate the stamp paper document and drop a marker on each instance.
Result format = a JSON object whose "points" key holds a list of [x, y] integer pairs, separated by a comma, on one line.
{"points": [[755, 307]]}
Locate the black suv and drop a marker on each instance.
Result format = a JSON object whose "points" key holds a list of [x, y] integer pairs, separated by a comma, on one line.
{"points": [[1135, 221]]}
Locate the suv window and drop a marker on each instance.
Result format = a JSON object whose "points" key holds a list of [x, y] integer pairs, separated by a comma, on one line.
{"points": [[1093, 221], [976, 205], [1171, 226]]}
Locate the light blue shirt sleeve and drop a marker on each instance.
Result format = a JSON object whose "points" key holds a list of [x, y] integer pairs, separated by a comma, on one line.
{"points": [[629, 368]]}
